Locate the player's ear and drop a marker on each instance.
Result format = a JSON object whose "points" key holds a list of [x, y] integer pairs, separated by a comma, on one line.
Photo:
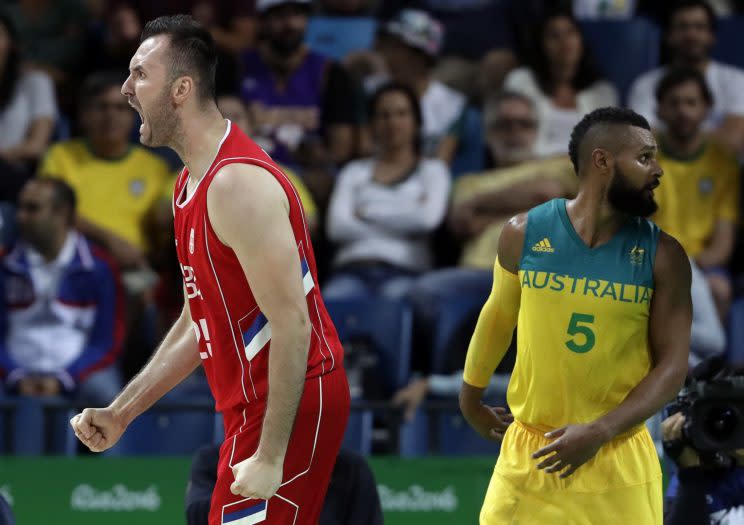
{"points": [[182, 89], [601, 159]]}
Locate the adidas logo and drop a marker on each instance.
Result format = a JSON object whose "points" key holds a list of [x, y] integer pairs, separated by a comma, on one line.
{"points": [[543, 246]]}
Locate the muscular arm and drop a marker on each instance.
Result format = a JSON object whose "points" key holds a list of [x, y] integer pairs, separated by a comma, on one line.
{"points": [[669, 339], [495, 327], [174, 360], [720, 246], [250, 213]]}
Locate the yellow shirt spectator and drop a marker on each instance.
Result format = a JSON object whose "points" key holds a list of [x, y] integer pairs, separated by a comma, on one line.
{"points": [[480, 251], [115, 194], [695, 193]]}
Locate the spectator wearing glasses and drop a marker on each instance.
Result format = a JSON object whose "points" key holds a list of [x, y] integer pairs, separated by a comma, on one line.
{"points": [[480, 206], [61, 303]]}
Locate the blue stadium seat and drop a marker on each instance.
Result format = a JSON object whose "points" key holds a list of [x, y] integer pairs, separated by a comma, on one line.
{"points": [[735, 336], [457, 438], [414, 436], [453, 312], [729, 40], [470, 154], [336, 37], [387, 323], [623, 49], [358, 436], [167, 432], [28, 427]]}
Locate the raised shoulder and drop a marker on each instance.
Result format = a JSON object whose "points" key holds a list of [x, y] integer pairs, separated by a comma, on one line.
{"points": [[511, 242], [243, 196]]}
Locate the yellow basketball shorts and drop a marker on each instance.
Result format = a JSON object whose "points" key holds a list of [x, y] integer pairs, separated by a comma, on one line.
{"points": [[620, 485]]}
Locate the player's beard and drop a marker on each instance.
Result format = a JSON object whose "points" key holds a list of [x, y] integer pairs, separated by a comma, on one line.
{"points": [[625, 198], [162, 121]]}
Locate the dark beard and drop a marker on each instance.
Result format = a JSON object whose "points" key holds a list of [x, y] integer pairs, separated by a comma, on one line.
{"points": [[163, 122], [287, 44], [626, 199]]}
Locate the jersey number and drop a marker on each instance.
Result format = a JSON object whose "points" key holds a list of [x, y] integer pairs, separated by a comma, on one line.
{"points": [[581, 332], [201, 330]]}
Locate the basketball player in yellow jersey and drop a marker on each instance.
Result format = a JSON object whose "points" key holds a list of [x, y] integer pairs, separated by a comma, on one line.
{"points": [[601, 301]]}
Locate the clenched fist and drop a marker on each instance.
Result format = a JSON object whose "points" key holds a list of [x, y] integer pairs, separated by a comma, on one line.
{"points": [[98, 428], [256, 478]]}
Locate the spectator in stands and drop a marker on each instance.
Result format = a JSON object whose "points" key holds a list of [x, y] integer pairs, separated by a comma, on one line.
{"points": [[116, 182], [689, 37], [699, 195], [410, 44], [53, 32], [480, 206], [233, 109], [27, 113], [384, 208], [296, 95], [562, 81], [61, 311], [477, 52]]}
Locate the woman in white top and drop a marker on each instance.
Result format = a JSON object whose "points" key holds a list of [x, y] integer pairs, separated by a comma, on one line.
{"points": [[384, 208], [563, 82], [28, 109]]}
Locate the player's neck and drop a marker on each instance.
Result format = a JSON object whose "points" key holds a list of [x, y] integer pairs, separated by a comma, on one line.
{"points": [[199, 140], [592, 217]]}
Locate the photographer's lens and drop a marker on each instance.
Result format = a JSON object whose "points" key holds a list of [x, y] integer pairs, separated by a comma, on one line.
{"points": [[720, 422]]}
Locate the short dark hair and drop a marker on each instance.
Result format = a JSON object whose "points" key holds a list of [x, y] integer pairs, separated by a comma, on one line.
{"points": [[63, 196], [678, 76], [681, 5], [602, 116], [408, 92], [97, 83], [192, 50]]}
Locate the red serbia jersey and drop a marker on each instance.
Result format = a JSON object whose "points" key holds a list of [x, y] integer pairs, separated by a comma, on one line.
{"points": [[234, 336]]}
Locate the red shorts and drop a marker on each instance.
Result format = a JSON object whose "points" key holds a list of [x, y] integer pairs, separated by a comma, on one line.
{"points": [[316, 438]]}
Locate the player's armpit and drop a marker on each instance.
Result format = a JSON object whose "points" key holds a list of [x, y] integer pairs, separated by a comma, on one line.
{"points": [[495, 328]]}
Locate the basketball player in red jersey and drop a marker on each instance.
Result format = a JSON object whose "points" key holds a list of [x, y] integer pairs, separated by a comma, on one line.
{"points": [[253, 315]]}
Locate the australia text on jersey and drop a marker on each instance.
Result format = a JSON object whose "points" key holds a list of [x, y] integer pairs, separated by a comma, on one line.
{"points": [[557, 282]]}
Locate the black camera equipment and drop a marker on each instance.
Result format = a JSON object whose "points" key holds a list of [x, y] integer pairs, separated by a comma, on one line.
{"points": [[713, 404]]}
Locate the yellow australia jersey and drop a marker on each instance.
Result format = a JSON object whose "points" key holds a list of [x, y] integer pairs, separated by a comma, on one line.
{"points": [[696, 193], [115, 194], [582, 332]]}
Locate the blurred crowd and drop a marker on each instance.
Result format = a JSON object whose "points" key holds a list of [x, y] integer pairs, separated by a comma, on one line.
{"points": [[409, 151]]}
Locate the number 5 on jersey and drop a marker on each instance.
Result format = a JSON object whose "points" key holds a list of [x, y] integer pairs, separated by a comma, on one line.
{"points": [[583, 336]]}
